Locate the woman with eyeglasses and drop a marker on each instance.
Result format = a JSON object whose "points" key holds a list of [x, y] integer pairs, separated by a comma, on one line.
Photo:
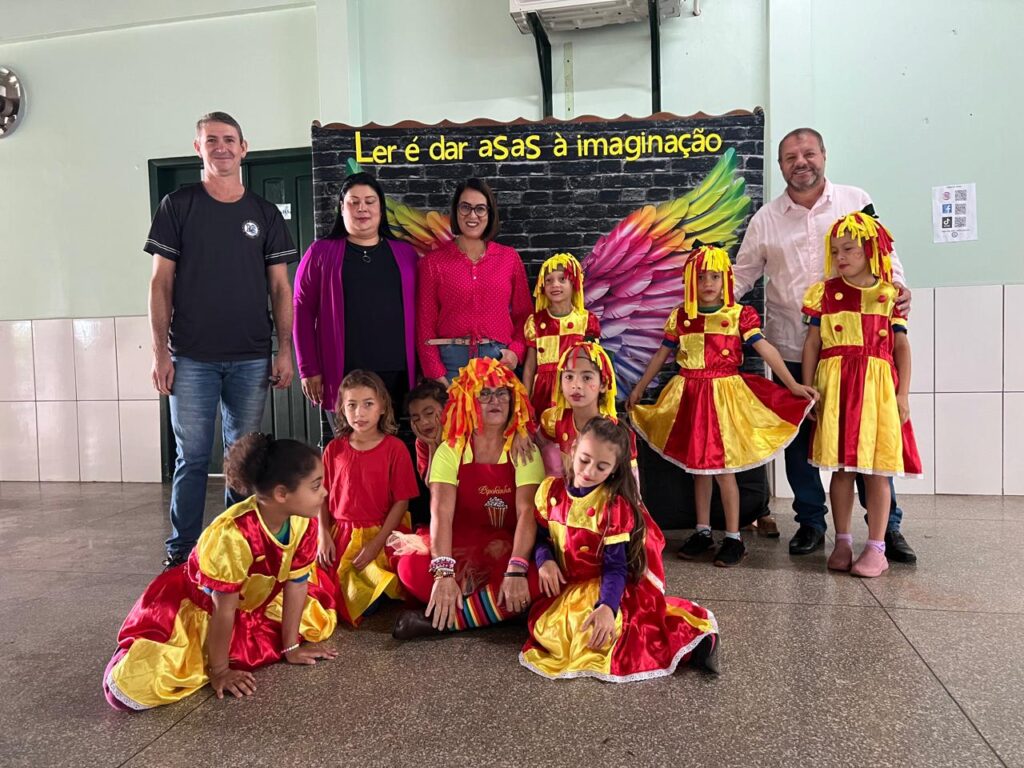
{"points": [[475, 567], [472, 298], [355, 293]]}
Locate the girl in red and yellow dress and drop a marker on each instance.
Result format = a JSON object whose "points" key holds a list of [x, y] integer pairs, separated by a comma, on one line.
{"points": [[369, 479], [586, 389], [471, 569], [711, 419], [600, 615], [858, 356], [242, 599], [559, 322]]}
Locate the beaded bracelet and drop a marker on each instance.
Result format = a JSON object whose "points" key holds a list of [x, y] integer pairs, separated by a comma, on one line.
{"points": [[446, 563], [520, 562], [443, 573], [290, 648]]}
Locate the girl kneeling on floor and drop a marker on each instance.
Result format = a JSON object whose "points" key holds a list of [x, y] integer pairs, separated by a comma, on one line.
{"points": [[242, 598]]}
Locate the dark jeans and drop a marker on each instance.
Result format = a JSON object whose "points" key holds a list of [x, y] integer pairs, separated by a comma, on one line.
{"points": [[455, 356], [805, 479], [240, 389]]}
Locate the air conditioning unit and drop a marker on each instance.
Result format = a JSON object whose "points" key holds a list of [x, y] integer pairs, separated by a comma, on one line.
{"points": [[567, 15]]}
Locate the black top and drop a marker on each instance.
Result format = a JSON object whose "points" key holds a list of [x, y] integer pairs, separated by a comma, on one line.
{"points": [[374, 311], [221, 250]]}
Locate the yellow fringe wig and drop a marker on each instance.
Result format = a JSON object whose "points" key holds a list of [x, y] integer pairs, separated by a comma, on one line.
{"points": [[870, 235], [706, 258], [462, 414], [594, 352], [573, 273]]}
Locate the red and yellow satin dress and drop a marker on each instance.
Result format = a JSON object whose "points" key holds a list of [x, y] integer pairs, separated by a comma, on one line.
{"points": [[654, 633], [558, 426], [551, 336], [362, 487], [711, 418], [858, 426], [161, 656]]}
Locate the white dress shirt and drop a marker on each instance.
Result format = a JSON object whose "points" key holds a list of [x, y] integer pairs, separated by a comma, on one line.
{"points": [[785, 242]]}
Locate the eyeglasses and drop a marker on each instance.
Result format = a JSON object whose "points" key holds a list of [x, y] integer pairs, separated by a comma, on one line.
{"points": [[486, 395], [480, 210]]}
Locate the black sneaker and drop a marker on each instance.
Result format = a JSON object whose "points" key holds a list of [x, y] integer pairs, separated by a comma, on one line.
{"points": [[730, 553], [173, 561], [695, 546]]}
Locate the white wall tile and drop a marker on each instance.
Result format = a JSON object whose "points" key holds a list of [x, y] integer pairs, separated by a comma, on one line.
{"points": [[922, 416], [95, 359], [922, 340], [969, 339], [134, 359], [19, 452], [140, 441], [969, 443], [1013, 446], [58, 440], [53, 345], [1013, 319], [99, 441], [18, 380]]}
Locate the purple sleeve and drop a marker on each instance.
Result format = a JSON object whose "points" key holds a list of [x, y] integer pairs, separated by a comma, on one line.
{"points": [[542, 551], [613, 576], [306, 305]]}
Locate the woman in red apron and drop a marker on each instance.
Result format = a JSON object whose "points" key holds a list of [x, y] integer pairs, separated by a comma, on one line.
{"points": [[474, 568]]}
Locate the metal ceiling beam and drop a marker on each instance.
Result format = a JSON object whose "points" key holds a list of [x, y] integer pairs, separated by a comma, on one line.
{"points": [[540, 37], [654, 17]]}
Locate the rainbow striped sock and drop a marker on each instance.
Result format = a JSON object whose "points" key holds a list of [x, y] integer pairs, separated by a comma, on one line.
{"points": [[480, 609]]}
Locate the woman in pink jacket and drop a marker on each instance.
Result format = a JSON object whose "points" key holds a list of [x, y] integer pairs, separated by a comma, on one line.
{"points": [[355, 293]]}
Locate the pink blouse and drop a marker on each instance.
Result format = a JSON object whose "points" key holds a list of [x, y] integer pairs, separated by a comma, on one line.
{"points": [[455, 297]]}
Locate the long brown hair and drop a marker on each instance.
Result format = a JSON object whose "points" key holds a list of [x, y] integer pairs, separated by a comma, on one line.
{"points": [[370, 380], [621, 482]]}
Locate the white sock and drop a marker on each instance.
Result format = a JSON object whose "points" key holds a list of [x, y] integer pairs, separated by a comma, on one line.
{"points": [[733, 535]]}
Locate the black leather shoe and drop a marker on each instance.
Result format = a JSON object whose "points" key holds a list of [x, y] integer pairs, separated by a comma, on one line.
{"points": [[411, 623], [806, 540], [897, 549]]}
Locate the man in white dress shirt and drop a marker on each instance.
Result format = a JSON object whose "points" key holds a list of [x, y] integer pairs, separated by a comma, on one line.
{"points": [[785, 242]]}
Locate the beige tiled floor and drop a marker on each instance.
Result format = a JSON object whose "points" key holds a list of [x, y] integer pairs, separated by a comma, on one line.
{"points": [[922, 667]]}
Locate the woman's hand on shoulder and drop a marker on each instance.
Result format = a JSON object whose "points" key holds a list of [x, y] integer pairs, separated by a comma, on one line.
{"points": [[509, 358], [522, 450]]}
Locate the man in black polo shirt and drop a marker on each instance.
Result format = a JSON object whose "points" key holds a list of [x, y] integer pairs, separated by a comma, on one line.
{"points": [[218, 251]]}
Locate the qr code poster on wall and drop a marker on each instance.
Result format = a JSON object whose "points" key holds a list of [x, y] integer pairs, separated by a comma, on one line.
{"points": [[954, 213]]}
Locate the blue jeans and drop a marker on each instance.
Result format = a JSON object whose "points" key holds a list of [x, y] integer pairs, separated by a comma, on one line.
{"points": [[455, 356], [240, 388], [805, 479]]}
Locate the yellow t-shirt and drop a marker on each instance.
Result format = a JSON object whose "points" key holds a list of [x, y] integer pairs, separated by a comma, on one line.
{"points": [[444, 468]]}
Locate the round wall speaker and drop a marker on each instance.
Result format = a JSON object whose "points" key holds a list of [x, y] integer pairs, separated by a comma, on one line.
{"points": [[12, 102]]}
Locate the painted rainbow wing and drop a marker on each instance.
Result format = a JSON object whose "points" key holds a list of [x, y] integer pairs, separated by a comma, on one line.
{"points": [[634, 273]]}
